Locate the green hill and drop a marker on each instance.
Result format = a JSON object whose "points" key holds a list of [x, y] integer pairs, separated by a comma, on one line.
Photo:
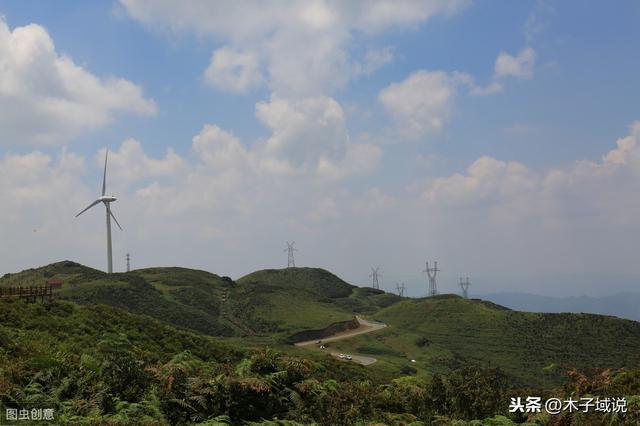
{"points": [[288, 300], [440, 334], [181, 297], [265, 302], [446, 332]]}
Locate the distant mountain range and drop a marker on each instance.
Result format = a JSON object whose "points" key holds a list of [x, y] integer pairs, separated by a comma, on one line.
{"points": [[623, 305]]}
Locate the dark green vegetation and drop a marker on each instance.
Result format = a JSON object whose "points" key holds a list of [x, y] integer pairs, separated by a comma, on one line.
{"points": [[275, 302], [448, 332], [193, 347], [100, 365]]}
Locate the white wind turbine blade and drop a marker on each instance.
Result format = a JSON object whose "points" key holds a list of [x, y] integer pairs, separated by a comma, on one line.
{"points": [[114, 218], [90, 205], [104, 178]]}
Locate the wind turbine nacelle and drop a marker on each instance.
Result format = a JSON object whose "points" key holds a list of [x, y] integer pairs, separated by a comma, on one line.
{"points": [[107, 198]]}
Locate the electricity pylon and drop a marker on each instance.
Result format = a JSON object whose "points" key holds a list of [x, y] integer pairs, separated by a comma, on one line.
{"points": [[374, 277], [464, 285], [400, 289], [431, 273], [291, 262]]}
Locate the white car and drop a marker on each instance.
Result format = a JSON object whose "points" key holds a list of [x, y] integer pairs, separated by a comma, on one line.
{"points": [[341, 356], [349, 357]]}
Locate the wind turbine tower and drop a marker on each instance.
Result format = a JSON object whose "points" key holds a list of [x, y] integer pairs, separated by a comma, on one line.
{"points": [[128, 262], [400, 289], [431, 273], [374, 275], [106, 200], [291, 262], [464, 285]]}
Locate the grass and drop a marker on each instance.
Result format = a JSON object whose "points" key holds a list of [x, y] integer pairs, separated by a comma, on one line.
{"points": [[440, 333], [446, 333]]}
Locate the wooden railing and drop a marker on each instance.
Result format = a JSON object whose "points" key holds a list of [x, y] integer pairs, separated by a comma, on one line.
{"points": [[30, 294]]}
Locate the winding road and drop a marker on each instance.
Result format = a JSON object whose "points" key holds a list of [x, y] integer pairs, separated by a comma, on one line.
{"points": [[365, 326]]}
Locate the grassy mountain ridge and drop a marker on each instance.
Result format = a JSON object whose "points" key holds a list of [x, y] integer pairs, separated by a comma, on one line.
{"points": [[451, 331], [178, 296], [294, 299], [264, 302], [440, 333]]}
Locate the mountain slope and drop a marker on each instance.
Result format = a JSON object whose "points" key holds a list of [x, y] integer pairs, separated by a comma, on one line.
{"points": [[440, 333], [178, 296], [448, 332], [289, 300], [263, 302]]}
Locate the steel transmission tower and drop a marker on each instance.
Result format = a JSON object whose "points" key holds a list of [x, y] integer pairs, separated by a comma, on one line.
{"points": [[400, 289], [374, 275], [128, 262], [464, 285], [291, 262], [431, 273]]}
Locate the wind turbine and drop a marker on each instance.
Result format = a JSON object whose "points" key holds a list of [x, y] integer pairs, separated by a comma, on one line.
{"points": [[107, 200]]}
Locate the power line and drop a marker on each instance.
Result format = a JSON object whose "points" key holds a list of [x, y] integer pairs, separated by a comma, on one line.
{"points": [[374, 275], [431, 273], [464, 285], [291, 262]]}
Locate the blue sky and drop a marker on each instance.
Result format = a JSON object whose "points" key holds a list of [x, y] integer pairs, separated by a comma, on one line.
{"points": [[352, 132]]}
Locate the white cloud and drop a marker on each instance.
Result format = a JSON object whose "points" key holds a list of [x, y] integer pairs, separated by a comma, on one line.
{"points": [[220, 150], [490, 89], [233, 71], [520, 66], [422, 103], [305, 45], [584, 193], [374, 16], [627, 150], [130, 163], [45, 98], [373, 60], [309, 136], [506, 65], [486, 179]]}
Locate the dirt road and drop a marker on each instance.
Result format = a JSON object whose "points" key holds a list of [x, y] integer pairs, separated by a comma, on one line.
{"points": [[358, 359], [365, 326]]}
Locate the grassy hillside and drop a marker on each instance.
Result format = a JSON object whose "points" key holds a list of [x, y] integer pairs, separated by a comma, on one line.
{"points": [[447, 332], [103, 365], [177, 296], [285, 301], [265, 302], [98, 365], [441, 334]]}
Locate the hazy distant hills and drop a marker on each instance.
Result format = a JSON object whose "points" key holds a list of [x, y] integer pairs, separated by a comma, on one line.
{"points": [[623, 305]]}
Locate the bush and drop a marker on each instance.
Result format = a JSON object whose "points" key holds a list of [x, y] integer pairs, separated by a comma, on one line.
{"points": [[422, 342], [408, 370]]}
